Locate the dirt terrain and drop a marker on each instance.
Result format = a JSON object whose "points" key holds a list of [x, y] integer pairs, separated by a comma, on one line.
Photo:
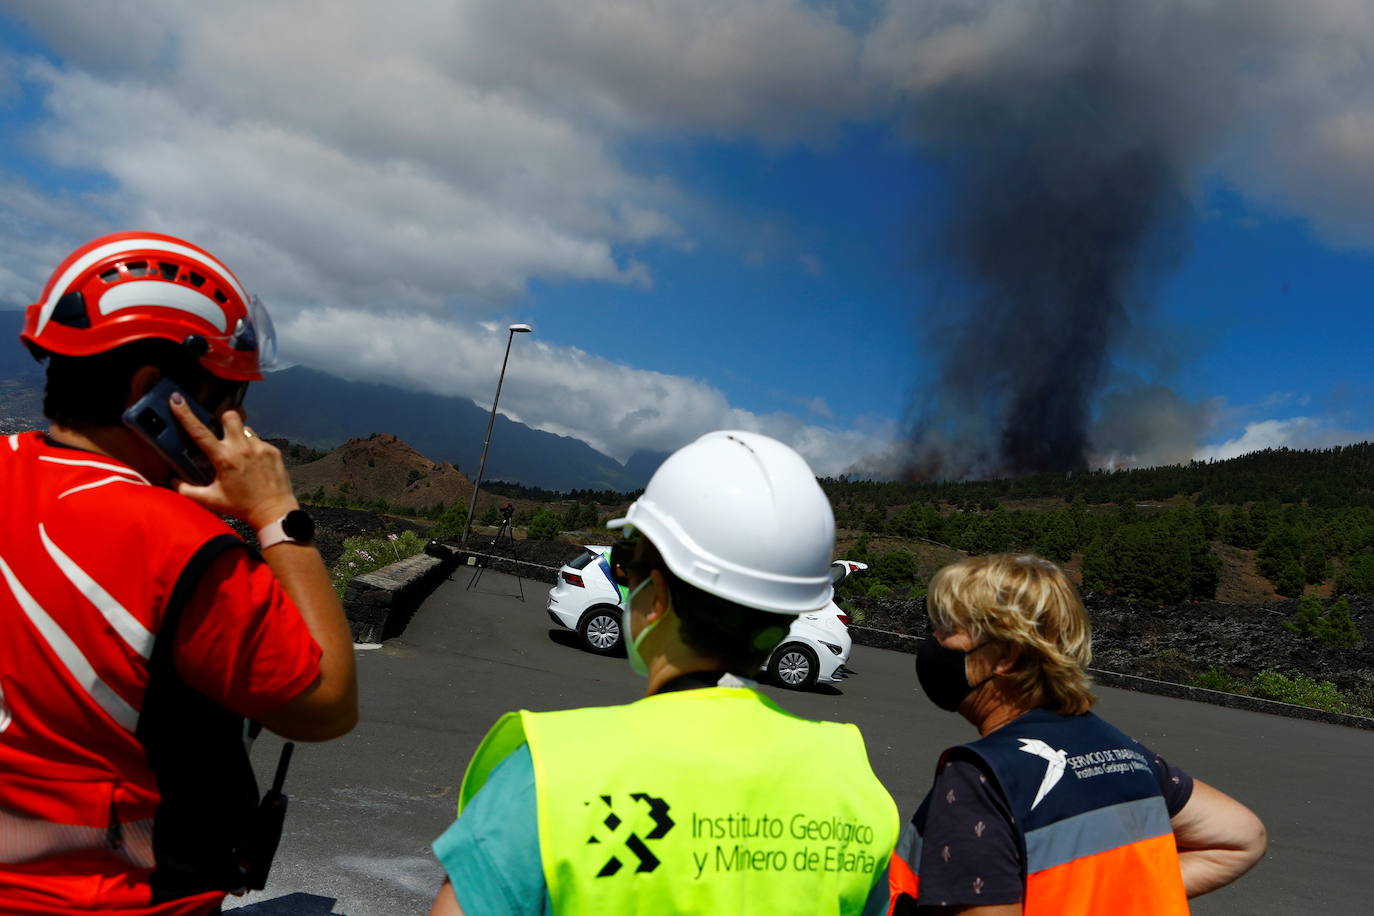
{"points": [[382, 467]]}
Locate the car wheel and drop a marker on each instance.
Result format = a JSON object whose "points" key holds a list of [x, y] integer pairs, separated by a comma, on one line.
{"points": [[600, 630], [794, 666]]}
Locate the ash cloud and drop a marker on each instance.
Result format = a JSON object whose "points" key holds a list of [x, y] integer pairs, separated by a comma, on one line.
{"points": [[1065, 197], [1070, 133]]}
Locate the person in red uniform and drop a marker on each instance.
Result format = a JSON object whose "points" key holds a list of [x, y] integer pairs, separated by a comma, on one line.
{"points": [[1052, 810], [138, 633]]}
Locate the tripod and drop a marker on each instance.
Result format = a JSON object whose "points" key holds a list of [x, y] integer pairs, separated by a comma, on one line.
{"points": [[505, 538]]}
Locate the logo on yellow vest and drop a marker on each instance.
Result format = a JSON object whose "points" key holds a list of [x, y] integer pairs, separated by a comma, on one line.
{"points": [[658, 810]]}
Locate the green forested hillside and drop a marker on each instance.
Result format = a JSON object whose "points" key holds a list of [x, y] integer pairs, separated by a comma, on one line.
{"points": [[1150, 533]]}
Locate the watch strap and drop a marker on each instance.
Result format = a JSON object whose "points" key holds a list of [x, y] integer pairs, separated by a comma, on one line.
{"points": [[275, 533]]}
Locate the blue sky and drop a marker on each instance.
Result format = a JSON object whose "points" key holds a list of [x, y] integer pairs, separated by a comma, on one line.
{"points": [[715, 214]]}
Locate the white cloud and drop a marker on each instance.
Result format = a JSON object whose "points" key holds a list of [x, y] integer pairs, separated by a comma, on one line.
{"points": [[616, 408], [1293, 432], [392, 182]]}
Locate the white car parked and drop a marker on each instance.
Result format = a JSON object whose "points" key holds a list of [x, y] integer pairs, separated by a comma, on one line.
{"points": [[586, 599], [815, 650]]}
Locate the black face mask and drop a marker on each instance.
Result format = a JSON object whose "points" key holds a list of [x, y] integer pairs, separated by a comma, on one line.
{"points": [[942, 674]]}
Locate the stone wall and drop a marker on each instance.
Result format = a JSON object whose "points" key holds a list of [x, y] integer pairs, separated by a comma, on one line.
{"points": [[379, 604]]}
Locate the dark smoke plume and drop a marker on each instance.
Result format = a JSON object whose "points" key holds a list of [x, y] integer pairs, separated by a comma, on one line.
{"points": [[1065, 202]]}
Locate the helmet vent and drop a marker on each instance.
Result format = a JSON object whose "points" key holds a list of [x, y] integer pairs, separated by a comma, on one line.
{"points": [[169, 271], [110, 275], [137, 268], [220, 297], [197, 280]]}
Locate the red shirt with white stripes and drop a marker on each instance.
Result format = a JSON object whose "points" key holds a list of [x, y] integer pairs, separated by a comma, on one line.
{"points": [[90, 554]]}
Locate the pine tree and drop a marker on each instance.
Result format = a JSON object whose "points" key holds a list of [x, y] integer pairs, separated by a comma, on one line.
{"points": [[1308, 617], [1336, 628], [1291, 580], [543, 526], [1357, 575]]}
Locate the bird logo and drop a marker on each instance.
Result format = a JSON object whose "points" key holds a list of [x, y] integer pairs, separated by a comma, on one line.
{"points": [[1054, 765]]}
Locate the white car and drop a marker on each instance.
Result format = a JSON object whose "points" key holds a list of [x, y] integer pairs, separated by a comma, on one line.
{"points": [[587, 600], [817, 646]]}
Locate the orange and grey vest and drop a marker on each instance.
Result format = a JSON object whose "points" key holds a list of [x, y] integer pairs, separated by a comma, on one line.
{"points": [[1092, 826]]}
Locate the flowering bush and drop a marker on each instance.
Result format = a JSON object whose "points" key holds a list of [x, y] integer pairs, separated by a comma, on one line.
{"points": [[365, 554]]}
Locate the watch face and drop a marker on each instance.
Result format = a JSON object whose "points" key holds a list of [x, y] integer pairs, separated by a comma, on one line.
{"points": [[298, 525]]}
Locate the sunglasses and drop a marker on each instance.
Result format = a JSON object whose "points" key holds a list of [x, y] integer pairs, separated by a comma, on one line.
{"points": [[623, 561]]}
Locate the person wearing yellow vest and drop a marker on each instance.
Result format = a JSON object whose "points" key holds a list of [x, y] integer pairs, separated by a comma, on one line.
{"points": [[1052, 810], [705, 797]]}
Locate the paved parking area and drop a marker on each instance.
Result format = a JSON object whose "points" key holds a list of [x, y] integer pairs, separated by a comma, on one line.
{"points": [[365, 808]]}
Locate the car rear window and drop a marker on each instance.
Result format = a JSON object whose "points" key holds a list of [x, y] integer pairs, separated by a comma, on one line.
{"points": [[587, 556]]}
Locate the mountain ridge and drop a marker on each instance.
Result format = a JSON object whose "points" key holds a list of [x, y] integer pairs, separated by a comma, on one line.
{"points": [[324, 411]]}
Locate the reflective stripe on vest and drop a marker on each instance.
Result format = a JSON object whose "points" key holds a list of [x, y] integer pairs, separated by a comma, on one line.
{"points": [[26, 839], [902, 877], [702, 801]]}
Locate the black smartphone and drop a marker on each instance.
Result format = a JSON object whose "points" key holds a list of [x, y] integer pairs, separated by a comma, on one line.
{"points": [[152, 419]]}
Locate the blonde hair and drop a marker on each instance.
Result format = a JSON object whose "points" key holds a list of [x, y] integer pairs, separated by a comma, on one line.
{"points": [[1028, 602]]}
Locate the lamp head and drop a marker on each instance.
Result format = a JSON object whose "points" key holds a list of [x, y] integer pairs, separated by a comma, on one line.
{"points": [[521, 328]]}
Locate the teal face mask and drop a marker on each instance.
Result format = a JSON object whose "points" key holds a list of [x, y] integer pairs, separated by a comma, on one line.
{"points": [[632, 640]]}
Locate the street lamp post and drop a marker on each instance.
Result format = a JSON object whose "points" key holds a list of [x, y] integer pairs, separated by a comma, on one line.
{"points": [[482, 465]]}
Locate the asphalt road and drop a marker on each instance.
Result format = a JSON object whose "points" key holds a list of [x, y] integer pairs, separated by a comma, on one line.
{"points": [[365, 808]]}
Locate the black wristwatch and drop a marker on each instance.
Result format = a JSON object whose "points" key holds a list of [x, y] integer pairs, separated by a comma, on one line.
{"points": [[295, 526]]}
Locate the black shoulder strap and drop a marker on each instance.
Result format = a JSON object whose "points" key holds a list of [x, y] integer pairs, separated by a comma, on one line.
{"points": [[196, 748]]}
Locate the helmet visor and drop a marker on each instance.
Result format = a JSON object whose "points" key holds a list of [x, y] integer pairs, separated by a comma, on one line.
{"points": [[256, 333]]}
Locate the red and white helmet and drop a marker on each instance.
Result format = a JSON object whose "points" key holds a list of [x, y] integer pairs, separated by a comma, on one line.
{"points": [[139, 285]]}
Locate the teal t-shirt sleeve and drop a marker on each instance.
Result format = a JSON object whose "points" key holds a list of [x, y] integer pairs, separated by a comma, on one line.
{"points": [[491, 853], [879, 897]]}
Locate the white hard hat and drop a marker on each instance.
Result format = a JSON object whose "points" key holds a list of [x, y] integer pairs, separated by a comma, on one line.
{"points": [[741, 516]]}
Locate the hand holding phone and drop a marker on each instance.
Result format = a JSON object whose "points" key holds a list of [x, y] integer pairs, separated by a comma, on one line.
{"points": [[152, 420], [245, 477]]}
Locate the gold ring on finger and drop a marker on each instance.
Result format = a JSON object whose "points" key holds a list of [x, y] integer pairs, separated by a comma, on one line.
{"points": [[248, 433]]}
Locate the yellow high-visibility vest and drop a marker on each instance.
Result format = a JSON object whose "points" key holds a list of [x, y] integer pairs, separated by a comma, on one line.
{"points": [[710, 801]]}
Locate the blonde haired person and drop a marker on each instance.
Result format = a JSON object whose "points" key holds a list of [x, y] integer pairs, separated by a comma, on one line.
{"points": [[1052, 809]]}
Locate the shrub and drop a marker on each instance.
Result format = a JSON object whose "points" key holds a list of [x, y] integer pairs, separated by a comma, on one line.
{"points": [[1215, 678], [896, 569], [363, 554], [1300, 690], [544, 526], [1361, 700], [450, 521]]}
